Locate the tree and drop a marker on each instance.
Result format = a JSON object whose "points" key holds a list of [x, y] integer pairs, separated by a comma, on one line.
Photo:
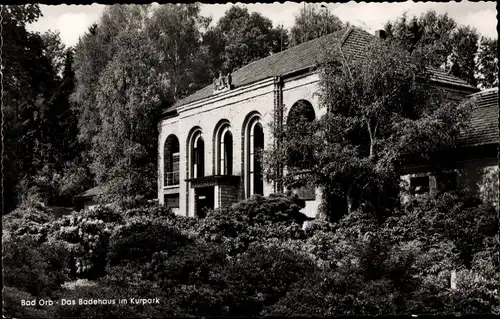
{"points": [[462, 58], [92, 53], [379, 108], [175, 34], [145, 59], [440, 40], [488, 63], [55, 50], [428, 34], [312, 23], [129, 99], [241, 37], [29, 82]]}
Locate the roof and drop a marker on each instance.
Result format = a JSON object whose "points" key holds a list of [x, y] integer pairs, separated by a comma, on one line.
{"points": [[89, 193], [483, 128], [353, 41]]}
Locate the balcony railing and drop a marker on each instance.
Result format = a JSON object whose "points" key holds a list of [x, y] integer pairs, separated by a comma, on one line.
{"points": [[171, 178]]}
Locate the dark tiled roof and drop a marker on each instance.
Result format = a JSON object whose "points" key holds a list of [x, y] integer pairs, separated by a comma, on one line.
{"points": [[353, 41], [483, 128], [90, 192]]}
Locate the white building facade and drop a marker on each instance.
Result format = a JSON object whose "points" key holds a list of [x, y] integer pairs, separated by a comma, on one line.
{"points": [[209, 142]]}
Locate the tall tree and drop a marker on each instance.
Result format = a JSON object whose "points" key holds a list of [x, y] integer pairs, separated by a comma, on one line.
{"points": [[376, 112], [55, 50], [129, 100], [146, 59], [92, 53], [462, 59], [175, 32], [313, 22], [241, 37], [487, 64], [29, 81], [439, 40]]}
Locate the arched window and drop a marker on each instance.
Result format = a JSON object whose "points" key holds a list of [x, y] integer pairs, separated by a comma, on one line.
{"points": [[254, 140], [225, 153], [301, 110], [300, 113], [198, 156], [171, 161]]}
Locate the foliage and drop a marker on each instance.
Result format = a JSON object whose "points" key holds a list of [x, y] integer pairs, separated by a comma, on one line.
{"points": [[40, 130], [254, 259], [28, 84], [472, 223], [260, 277], [313, 22], [253, 220], [25, 217], [445, 44], [380, 107], [138, 240], [38, 272], [241, 37], [488, 63], [175, 34]]}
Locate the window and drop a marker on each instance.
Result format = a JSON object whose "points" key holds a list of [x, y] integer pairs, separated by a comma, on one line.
{"points": [[419, 185], [198, 156], [306, 193], [254, 140], [257, 137], [171, 161], [224, 139], [299, 116], [171, 200]]}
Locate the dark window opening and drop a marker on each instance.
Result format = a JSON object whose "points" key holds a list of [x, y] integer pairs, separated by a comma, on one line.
{"points": [[226, 154], [258, 146], [300, 116], [419, 185], [199, 158]]}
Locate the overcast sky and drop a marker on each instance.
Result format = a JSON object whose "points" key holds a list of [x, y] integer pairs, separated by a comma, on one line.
{"points": [[73, 20]]}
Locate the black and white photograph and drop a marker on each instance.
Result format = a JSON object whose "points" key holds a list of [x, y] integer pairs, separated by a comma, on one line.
{"points": [[311, 159]]}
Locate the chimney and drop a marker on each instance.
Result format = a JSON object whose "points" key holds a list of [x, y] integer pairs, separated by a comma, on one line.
{"points": [[380, 34]]}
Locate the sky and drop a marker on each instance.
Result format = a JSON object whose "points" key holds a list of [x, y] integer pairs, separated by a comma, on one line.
{"points": [[72, 21]]}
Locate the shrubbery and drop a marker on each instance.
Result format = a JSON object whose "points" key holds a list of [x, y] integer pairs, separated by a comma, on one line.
{"points": [[256, 258]]}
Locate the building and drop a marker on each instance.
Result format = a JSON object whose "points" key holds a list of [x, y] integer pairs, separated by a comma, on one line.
{"points": [[472, 165], [209, 142], [87, 199]]}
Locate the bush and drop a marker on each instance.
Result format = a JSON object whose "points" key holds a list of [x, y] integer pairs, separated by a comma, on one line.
{"points": [[38, 269], [155, 212], [190, 265], [260, 277], [140, 239], [271, 209], [254, 220], [12, 305], [449, 216], [318, 225], [87, 239], [28, 220], [105, 213]]}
